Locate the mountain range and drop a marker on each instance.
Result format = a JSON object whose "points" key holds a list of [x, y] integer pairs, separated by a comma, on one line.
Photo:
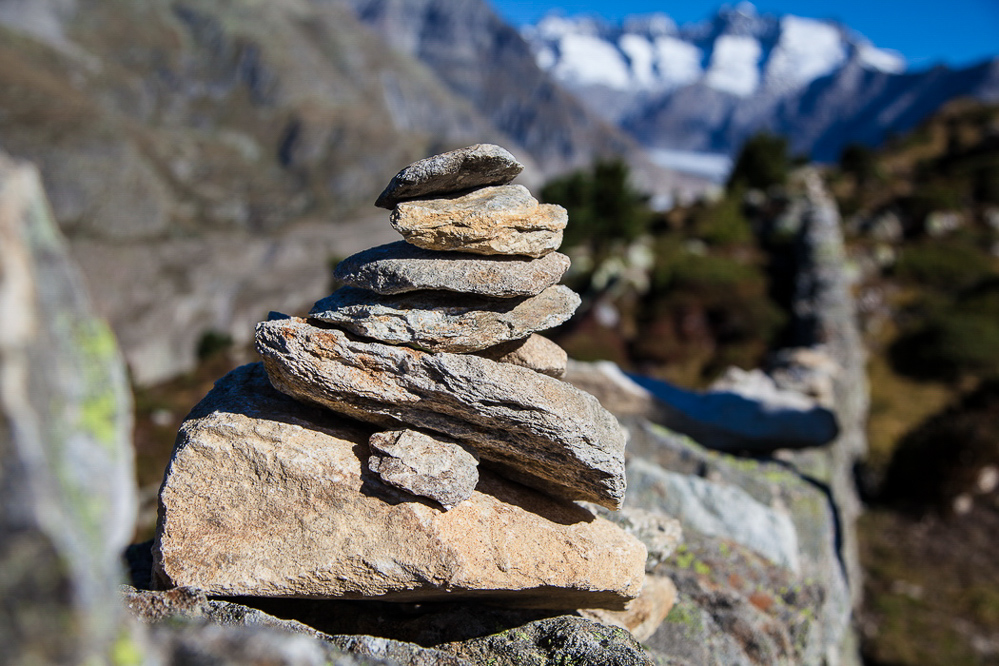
{"points": [[706, 87]]}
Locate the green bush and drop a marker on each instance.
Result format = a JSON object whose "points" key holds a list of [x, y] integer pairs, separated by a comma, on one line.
{"points": [[952, 344], [860, 161], [211, 343], [603, 206], [723, 223], [946, 266], [762, 163]]}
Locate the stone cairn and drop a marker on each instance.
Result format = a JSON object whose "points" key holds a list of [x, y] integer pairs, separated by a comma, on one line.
{"points": [[419, 444]]}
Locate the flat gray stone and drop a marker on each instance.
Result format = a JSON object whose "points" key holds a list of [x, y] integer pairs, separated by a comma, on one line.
{"points": [[268, 497], [430, 466], [492, 220], [453, 171], [535, 429], [535, 352], [443, 321], [401, 267]]}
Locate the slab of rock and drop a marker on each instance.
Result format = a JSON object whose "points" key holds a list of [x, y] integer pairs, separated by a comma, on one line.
{"points": [[453, 171], [535, 352], [536, 429], [493, 220], [643, 615], [267, 497], [441, 321], [401, 267], [429, 466], [558, 640]]}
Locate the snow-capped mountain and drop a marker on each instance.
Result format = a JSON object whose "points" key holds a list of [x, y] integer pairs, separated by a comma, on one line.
{"points": [[739, 52], [707, 86]]}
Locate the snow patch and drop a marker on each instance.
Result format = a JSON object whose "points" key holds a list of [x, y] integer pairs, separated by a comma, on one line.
{"points": [[713, 166], [653, 25], [881, 60], [640, 53], [677, 62], [589, 60], [553, 27], [734, 65], [546, 58], [807, 50]]}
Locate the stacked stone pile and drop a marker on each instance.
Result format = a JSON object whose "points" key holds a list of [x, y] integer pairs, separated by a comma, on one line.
{"points": [[419, 444]]}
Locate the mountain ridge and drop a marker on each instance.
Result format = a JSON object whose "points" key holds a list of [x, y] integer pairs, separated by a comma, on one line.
{"points": [[708, 86]]}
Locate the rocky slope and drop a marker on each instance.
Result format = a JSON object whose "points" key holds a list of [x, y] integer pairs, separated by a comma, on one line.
{"points": [[174, 131], [710, 85]]}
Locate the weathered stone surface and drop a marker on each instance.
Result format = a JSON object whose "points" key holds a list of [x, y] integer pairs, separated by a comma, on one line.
{"points": [[493, 220], [662, 534], [67, 495], [535, 352], [453, 171], [645, 613], [536, 429], [811, 610], [716, 509], [199, 643], [426, 465], [557, 640], [724, 419], [199, 626], [400, 267], [265, 496], [441, 321]]}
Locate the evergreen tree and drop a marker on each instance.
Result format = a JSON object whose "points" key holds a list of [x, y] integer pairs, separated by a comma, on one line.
{"points": [[762, 162]]}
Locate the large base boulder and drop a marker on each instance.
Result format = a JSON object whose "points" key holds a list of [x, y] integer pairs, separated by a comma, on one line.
{"points": [[268, 497]]}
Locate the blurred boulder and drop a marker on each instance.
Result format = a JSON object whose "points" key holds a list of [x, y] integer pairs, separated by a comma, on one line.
{"points": [[67, 495]]}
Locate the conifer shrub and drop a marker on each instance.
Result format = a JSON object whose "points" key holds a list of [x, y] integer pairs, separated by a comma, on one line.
{"points": [[723, 223], [763, 162], [948, 266], [602, 204]]}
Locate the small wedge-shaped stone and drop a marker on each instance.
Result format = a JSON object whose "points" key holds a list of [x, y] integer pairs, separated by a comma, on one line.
{"points": [[441, 321], [535, 429], [454, 171], [535, 352], [493, 220], [429, 466], [399, 267], [269, 497]]}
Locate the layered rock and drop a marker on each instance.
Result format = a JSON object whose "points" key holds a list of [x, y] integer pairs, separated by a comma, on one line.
{"points": [[540, 431], [454, 171], [493, 220], [438, 321], [534, 352], [428, 466], [326, 527], [400, 267]]}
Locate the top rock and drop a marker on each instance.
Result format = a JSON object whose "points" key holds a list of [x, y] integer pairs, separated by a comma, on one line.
{"points": [[454, 171]]}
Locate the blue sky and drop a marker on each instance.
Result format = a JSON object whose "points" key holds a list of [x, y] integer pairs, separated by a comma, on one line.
{"points": [[958, 32]]}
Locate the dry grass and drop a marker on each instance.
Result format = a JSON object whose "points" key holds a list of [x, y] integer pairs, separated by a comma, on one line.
{"points": [[899, 404]]}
